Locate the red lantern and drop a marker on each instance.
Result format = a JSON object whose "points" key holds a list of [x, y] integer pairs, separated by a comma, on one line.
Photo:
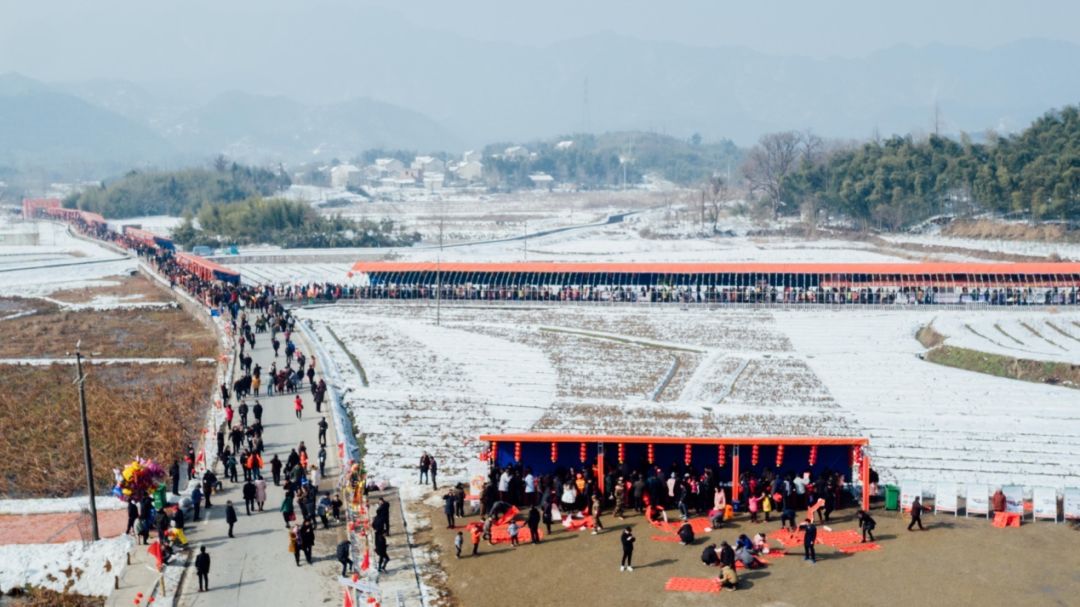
{"points": [[687, 455], [517, 452], [856, 455], [813, 455], [651, 454], [754, 456], [622, 453], [494, 451], [554, 452], [582, 454], [779, 456], [721, 456]]}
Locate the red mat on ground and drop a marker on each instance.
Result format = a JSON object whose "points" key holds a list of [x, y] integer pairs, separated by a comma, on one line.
{"points": [[828, 538], [1006, 519], [499, 535], [665, 538], [508, 516], [698, 524], [739, 565], [574, 524], [859, 548], [692, 584]]}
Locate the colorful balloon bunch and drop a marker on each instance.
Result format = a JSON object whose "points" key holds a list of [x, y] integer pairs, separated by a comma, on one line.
{"points": [[138, 479]]}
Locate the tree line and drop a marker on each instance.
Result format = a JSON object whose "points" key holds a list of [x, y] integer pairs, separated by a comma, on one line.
{"points": [[287, 223], [898, 181], [178, 192]]}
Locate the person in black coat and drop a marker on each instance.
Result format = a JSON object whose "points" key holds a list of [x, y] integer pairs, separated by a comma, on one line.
{"points": [[307, 539], [178, 518], [275, 469], [866, 523], [627, 540], [709, 556], [133, 515], [809, 537], [249, 496], [727, 555], [382, 512], [174, 476], [230, 516], [344, 556], [380, 550], [533, 523], [202, 567], [434, 470]]}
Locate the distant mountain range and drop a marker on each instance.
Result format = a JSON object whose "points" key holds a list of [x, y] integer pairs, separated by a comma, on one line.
{"points": [[437, 90]]}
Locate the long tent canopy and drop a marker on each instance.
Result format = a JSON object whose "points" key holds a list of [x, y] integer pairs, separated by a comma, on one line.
{"points": [[730, 456]]}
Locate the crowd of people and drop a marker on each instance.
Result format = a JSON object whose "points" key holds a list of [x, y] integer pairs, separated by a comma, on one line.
{"points": [[669, 497]]}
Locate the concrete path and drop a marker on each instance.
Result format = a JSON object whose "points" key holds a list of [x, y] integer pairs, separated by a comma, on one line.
{"points": [[256, 568]]}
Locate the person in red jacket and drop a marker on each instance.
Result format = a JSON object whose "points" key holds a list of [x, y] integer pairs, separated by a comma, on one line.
{"points": [[299, 406]]}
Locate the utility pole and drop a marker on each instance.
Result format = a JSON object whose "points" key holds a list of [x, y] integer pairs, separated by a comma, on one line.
{"points": [[438, 269], [81, 380]]}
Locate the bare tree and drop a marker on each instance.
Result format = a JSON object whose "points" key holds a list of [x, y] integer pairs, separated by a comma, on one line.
{"points": [[718, 194], [769, 163]]}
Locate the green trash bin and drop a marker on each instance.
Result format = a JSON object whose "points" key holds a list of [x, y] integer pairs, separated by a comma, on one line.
{"points": [[892, 497]]}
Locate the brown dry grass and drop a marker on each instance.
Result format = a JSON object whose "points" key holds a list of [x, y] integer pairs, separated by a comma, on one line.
{"points": [[138, 288], [42, 597], [984, 228], [112, 333], [134, 410], [929, 338]]}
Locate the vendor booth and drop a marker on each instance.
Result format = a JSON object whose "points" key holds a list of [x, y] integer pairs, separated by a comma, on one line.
{"points": [[545, 453]]}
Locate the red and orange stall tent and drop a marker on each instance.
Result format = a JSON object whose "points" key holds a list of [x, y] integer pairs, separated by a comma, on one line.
{"points": [[787, 275], [206, 269], [730, 456], [33, 207]]}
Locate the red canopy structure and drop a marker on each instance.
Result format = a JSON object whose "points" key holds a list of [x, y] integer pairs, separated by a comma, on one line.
{"points": [[545, 452]]}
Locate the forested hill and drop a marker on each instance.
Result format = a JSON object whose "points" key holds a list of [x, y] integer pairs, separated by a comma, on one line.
{"points": [[899, 181], [178, 192]]}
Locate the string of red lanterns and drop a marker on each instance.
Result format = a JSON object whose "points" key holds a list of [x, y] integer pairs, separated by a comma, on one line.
{"points": [[582, 453], [813, 455], [517, 452], [721, 455], [779, 456], [651, 454], [622, 454], [687, 454], [754, 455], [494, 450], [554, 452]]}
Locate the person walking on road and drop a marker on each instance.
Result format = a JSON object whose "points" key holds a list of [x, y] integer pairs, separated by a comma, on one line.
{"points": [[260, 493], [322, 460], [249, 497], [344, 550], [322, 431], [295, 543], [298, 405], [380, 550], [202, 568], [434, 472], [533, 522], [627, 540], [307, 539], [275, 469], [287, 512], [425, 465], [916, 514], [809, 537], [230, 516]]}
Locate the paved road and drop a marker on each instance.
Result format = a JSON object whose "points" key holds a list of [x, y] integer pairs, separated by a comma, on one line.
{"points": [[256, 568]]}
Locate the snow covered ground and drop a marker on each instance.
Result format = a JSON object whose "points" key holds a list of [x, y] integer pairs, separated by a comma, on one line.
{"points": [[929, 422], [1053, 337], [58, 261], [72, 567], [1067, 251]]}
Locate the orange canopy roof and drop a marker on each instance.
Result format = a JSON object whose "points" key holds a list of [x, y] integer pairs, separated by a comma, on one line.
{"points": [[720, 268], [204, 262], [539, 437]]}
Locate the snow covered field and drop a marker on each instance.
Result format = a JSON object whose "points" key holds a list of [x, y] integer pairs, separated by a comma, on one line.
{"points": [[929, 422], [58, 261], [743, 372], [1053, 337], [1066, 251], [71, 567]]}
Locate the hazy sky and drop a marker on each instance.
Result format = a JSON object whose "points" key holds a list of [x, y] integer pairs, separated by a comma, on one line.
{"points": [[62, 39]]}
